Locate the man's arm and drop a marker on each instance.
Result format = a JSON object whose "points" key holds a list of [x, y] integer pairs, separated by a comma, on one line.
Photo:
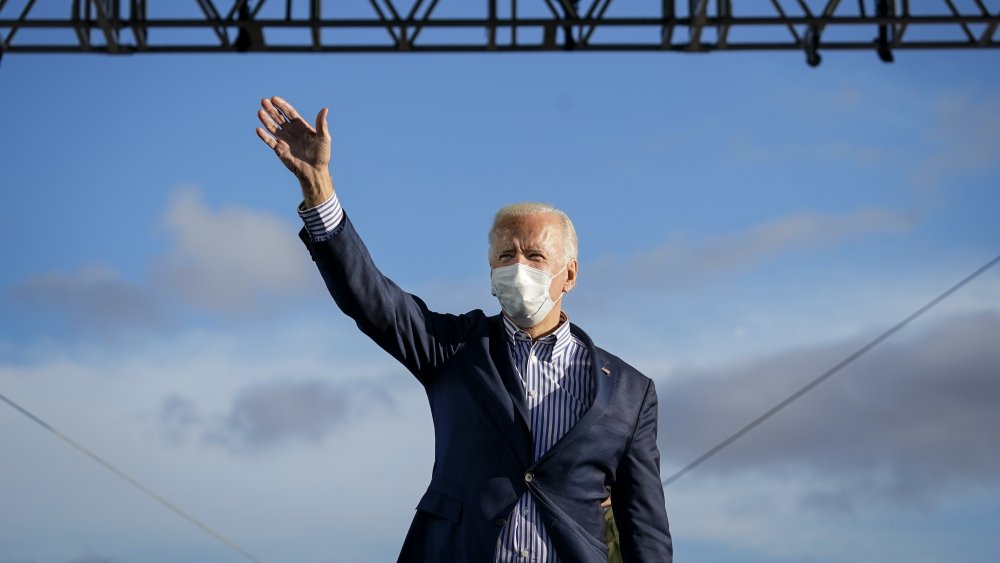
{"points": [[637, 496], [398, 322]]}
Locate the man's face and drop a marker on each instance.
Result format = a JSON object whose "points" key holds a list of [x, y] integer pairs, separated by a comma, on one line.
{"points": [[535, 241]]}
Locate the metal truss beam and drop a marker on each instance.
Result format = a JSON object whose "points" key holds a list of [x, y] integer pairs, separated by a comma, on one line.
{"points": [[120, 27]]}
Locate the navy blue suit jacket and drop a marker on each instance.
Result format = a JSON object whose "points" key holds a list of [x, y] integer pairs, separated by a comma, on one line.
{"points": [[483, 459]]}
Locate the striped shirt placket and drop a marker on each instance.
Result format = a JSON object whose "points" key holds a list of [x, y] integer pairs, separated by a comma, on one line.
{"points": [[555, 375]]}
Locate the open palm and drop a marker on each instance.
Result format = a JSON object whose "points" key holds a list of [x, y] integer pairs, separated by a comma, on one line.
{"points": [[304, 149]]}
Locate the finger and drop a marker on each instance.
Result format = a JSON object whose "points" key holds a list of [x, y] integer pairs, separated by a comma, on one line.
{"points": [[286, 108], [279, 119], [281, 149], [267, 121], [321, 125], [268, 140]]}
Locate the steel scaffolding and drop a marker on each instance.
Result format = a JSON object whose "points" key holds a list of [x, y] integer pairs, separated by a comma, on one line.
{"points": [[413, 26]]}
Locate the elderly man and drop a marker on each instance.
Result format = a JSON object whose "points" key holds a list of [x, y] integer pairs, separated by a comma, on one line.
{"points": [[533, 423]]}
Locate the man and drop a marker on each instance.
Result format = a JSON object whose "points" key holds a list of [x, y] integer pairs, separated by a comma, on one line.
{"points": [[533, 424]]}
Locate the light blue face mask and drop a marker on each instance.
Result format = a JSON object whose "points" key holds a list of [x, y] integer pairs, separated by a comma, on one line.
{"points": [[523, 292]]}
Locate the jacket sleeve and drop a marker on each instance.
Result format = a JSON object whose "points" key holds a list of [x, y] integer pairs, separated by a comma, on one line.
{"points": [[398, 322], [637, 495]]}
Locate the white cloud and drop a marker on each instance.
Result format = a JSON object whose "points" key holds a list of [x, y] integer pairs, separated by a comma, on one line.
{"points": [[678, 263], [277, 412], [964, 140], [905, 425], [761, 519], [233, 261], [249, 382], [93, 297], [229, 260], [897, 444]]}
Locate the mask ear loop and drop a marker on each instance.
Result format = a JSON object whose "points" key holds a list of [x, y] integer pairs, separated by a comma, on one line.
{"points": [[562, 291]]}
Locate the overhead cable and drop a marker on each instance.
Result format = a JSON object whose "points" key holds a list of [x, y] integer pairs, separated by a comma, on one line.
{"points": [[826, 375], [143, 488]]}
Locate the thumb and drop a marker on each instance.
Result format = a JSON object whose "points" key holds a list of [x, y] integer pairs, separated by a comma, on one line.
{"points": [[321, 126]]}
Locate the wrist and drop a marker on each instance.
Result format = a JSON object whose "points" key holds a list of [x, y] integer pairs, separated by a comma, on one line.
{"points": [[317, 187]]}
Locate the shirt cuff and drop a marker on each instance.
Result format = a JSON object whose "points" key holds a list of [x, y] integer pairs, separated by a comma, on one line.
{"points": [[321, 221]]}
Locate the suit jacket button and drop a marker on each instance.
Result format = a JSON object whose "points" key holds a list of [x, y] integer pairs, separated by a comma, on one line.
{"points": [[501, 522], [528, 477]]}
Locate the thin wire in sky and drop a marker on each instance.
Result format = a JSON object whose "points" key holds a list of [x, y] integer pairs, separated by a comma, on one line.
{"points": [[143, 488], [826, 375]]}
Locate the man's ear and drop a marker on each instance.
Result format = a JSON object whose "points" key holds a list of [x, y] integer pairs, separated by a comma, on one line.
{"points": [[571, 272]]}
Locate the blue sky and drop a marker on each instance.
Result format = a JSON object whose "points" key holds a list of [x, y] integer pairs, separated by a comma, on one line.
{"points": [[745, 222]]}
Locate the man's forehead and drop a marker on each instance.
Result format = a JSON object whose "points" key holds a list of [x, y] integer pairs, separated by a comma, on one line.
{"points": [[528, 227]]}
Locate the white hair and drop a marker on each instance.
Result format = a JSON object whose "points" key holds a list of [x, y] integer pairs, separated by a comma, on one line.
{"points": [[527, 209]]}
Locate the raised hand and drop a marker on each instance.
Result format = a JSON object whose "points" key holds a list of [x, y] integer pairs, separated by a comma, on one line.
{"points": [[303, 149]]}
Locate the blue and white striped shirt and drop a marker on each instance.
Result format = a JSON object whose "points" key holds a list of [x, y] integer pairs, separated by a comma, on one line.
{"points": [[558, 388]]}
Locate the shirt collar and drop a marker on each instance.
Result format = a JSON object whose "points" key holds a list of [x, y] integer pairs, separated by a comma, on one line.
{"points": [[559, 339]]}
